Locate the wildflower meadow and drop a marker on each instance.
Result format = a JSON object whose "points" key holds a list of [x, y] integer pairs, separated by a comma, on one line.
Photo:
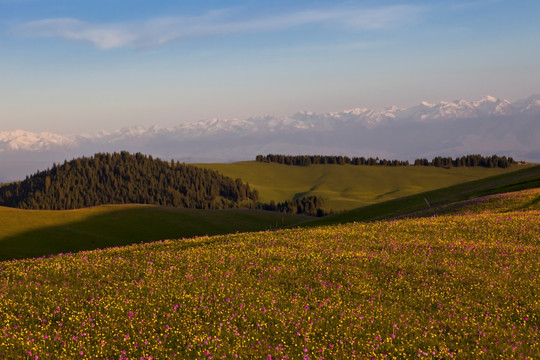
{"points": [[462, 286]]}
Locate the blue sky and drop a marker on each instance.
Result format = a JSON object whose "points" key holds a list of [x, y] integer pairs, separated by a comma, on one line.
{"points": [[82, 66]]}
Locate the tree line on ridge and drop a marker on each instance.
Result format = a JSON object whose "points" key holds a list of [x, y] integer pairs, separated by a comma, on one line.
{"points": [[475, 160], [123, 178]]}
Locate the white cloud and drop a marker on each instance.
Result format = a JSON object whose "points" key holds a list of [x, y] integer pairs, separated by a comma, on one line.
{"points": [[159, 31], [104, 36]]}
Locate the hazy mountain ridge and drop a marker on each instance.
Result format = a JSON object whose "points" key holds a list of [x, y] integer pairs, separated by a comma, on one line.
{"points": [[452, 128], [29, 141]]}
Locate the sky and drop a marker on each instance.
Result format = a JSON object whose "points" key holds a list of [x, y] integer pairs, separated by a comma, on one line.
{"points": [[84, 66]]}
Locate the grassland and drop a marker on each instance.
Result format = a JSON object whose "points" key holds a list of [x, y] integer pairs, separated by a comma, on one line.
{"points": [[346, 187], [436, 201], [33, 233], [458, 286]]}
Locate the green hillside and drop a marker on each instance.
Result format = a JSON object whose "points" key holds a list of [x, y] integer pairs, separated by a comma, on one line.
{"points": [[33, 233], [347, 186], [444, 287], [440, 201]]}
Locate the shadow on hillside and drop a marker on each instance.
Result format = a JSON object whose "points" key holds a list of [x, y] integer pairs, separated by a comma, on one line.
{"points": [[438, 202], [131, 225], [135, 224], [465, 201]]}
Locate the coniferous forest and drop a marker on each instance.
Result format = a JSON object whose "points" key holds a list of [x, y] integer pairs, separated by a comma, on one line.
{"points": [[123, 178], [493, 161], [310, 205]]}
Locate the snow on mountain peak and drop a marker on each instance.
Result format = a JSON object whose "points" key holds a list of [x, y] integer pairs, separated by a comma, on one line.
{"points": [[30, 141], [489, 105], [489, 98], [356, 111], [356, 118]]}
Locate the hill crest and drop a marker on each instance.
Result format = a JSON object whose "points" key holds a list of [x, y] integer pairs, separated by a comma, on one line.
{"points": [[123, 178]]}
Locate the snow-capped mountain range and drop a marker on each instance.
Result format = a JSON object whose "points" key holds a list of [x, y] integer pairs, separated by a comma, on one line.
{"points": [[449, 128]]}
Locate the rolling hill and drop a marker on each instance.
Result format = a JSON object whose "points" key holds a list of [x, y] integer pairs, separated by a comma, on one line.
{"points": [[453, 286], [345, 187], [440, 200], [123, 178], [34, 233]]}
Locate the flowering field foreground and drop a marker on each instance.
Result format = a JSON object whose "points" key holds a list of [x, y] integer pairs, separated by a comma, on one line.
{"points": [[500, 203], [450, 287]]}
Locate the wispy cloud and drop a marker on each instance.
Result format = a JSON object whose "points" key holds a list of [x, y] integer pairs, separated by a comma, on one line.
{"points": [[158, 31]]}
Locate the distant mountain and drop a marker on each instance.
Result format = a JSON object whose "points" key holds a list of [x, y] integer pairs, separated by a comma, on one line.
{"points": [[448, 128], [20, 140]]}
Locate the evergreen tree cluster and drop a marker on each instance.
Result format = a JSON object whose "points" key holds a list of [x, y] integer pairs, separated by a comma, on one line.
{"points": [[306, 160], [464, 161], [123, 178], [493, 161], [310, 205]]}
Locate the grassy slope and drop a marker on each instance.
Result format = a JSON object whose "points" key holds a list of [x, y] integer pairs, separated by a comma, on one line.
{"points": [[29, 233], [518, 180], [450, 287], [523, 200], [347, 186], [32, 233]]}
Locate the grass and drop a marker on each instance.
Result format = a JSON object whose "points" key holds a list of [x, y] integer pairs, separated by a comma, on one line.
{"points": [[415, 204], [459, 286], [345, 187], [34, 233]]}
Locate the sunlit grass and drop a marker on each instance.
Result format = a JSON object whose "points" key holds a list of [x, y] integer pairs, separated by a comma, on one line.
{"points": [[451, 287], [348, 186]]}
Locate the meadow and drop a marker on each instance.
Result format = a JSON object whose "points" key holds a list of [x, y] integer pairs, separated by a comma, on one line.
{"points": [[34, 233], [345, 187], [456, 286], [438, 201]]}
